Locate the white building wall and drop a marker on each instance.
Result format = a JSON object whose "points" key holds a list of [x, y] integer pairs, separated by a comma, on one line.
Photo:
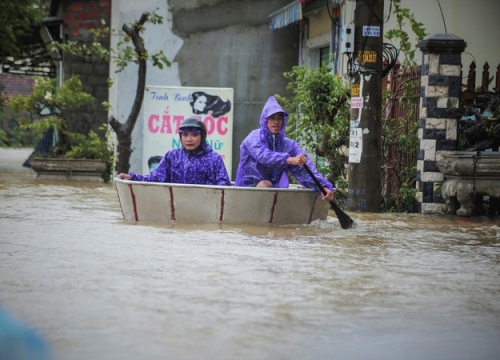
{"points": [[158, 37]]}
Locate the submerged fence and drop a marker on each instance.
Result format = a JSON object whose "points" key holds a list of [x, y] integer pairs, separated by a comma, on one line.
{"points": [[471, 90], [401, 117], [399, 133]]}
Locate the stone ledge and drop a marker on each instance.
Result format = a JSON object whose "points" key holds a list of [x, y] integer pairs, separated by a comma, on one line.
{"points": [[88, 170]]}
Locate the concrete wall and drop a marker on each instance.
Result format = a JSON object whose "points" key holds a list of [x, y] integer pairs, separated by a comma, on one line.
{"points": [[319, 22], [477, 22], [217, 43], [474, 21]]}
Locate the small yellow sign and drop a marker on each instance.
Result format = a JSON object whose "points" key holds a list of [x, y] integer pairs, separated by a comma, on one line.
{"points": [[355, 90], [367, 56]]}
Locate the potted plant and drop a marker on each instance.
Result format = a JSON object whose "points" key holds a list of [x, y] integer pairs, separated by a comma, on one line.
{"points": [[63, 154]]}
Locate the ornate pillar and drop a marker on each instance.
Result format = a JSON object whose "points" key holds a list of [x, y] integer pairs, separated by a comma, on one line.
{"points": [[439, 99]]}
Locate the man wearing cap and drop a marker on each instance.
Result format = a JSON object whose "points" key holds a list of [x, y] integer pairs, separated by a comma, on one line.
{"points": [[193, 163]]}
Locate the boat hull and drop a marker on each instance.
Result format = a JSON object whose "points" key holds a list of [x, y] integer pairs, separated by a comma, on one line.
{"points": [[165, 202]]}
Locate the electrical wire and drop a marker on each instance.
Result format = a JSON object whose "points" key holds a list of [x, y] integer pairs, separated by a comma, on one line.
{"points": [[442, 16], [389, 57], [389, 52], [390, 11]]}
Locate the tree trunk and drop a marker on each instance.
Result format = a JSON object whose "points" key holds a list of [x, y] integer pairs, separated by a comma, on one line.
{"points": [[124, 131]]}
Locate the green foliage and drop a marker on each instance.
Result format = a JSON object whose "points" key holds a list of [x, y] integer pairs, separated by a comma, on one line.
{"points": [[10, 135], [403, 131], [406, 47], [92, 146], [47, 103], [124, 53], [130, 49], [89, 146], [4, 141], [3, 97], [23, 138], [46, 107], [400, 135], [48, 99], [319, 117], [399, 148], [3, 135], [19, 18]]}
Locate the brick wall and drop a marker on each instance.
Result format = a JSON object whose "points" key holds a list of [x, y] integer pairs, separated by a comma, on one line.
{"points": [[79, 17], [17, 84]]}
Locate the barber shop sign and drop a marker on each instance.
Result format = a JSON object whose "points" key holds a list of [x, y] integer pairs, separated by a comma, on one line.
{"points": [[166, 106]]}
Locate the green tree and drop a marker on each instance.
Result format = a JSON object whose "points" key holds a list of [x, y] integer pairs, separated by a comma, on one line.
{"points": [[319, 118], [46, 107], [399, 135], [130, 50], [20, 19], [3, 101], [400, 35]]}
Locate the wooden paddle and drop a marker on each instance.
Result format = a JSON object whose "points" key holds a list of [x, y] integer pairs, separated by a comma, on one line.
{"points": [[345, 221]]}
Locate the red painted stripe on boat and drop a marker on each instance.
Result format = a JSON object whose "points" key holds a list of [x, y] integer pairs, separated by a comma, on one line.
{"points": [[221, 216], [275, 201], [133, 202], [172, 204]]}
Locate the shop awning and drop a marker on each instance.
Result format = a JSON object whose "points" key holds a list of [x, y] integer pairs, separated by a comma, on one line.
{"points": [[293, 12], [286, 15], [35, 57]]}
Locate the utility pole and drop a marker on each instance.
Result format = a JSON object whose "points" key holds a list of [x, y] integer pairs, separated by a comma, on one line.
{"points": [[365, 158]]}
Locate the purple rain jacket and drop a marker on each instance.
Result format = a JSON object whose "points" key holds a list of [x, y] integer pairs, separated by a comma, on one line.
{"points": [[183, 167], [263, 156]]}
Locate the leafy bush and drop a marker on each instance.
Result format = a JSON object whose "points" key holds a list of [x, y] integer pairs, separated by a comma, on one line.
{"points": [[319, 118], [46, 107]]}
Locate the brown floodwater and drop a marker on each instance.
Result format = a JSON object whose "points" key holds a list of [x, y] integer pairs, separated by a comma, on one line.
{"points": [[398, 286]]}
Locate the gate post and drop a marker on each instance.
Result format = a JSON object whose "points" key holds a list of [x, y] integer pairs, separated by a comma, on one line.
{"points": [[439, 101]]}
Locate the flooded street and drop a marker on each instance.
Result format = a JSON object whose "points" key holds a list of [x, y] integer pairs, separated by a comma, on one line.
{"points": [[398, 286]]}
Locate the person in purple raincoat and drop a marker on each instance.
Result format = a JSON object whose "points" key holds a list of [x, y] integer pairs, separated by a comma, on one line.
{"points": [[267, 155], [194, 163]]}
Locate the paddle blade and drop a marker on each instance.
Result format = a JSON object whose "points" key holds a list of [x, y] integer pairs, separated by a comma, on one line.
{"points": [[345, 221]]}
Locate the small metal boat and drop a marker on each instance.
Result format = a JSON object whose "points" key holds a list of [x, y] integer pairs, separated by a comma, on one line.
{"points": [[166, 202]]}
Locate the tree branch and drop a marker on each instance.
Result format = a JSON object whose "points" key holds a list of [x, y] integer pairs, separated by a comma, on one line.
{"points": [[141, 53]]}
